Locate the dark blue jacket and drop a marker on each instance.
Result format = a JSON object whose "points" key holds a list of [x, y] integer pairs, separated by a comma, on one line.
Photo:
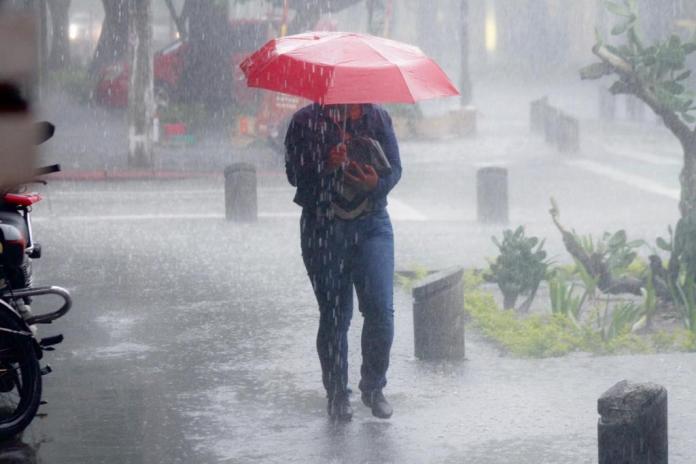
{"points": [[310, 137]]}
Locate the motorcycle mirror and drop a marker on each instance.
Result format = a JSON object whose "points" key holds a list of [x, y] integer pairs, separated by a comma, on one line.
{"points": [[44, 131]]}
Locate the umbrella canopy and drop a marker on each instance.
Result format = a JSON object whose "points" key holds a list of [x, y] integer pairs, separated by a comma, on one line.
{"points": [[345, 67]]}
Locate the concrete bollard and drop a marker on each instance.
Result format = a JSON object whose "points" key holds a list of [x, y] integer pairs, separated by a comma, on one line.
{"points": [[492, 195], [438, 315], [240, 193], [536, 114], [551, 116], [607, 104], [632, 428], [568, 134]]}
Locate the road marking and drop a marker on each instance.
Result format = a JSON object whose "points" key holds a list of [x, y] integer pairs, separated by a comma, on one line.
{"points": [[180, 192], [398, 210], [640, 182], [643, 156], [151, 217]]}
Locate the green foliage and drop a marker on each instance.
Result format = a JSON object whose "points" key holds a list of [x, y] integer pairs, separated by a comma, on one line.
{"points": [[408, 279], [520, 267], [684, 244], [684, 297], [564, 298], [649, 299], [534, 336], [541, 336], [472, 279], [620, 320], [659, 67], [612, 248]]}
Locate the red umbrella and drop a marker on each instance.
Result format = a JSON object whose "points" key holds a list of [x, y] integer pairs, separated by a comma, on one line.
{"points": [[345, 67]]}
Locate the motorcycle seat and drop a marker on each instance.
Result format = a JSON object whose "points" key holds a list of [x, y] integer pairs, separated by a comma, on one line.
{"points": [[14, 219], [22, 199]]}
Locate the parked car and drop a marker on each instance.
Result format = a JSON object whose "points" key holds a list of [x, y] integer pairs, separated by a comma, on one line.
{"points": [[263, 114]]}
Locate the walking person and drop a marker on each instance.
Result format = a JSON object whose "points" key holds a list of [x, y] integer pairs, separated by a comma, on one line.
{"points": [[347, 239]]}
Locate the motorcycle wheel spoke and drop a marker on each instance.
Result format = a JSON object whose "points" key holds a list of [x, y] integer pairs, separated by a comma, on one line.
{"points": [[10, 400]]}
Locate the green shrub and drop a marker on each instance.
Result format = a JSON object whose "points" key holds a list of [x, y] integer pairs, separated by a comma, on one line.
{"points": [[540, 336], [408, 279], [519, 268], [535, 336]]}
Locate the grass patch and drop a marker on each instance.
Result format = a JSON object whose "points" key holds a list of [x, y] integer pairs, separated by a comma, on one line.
{"points": [[543, 336]]}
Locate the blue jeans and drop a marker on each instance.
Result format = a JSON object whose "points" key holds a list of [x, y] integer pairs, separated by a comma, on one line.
{"points": [[340, 255]]}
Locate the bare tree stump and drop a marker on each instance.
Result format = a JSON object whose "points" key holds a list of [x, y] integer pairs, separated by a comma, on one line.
{"points": [[492, 195], [568, 138], [632, 428], [536, 114], [438, 315], [240, 193]]}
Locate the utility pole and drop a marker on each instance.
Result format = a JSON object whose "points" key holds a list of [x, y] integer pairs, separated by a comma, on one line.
{"points": [[141, 103]]}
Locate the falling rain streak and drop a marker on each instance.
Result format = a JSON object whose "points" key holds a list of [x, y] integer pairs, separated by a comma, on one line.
{"points": [[527, 246]]}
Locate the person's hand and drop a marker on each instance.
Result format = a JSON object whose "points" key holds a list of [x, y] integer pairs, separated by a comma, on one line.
{"points": [[364, 177], [337, 157]]}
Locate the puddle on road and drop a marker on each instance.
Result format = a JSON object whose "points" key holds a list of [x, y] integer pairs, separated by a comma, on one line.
{"points": [[120, 350]]}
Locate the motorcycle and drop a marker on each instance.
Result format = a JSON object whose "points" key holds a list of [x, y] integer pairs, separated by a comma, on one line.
{"points": [[20, 349]]}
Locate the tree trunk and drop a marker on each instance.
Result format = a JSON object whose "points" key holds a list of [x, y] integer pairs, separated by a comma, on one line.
{"points": [[426, 25], [465, 88], [113, 40], [60, 43], [687, 203], [376, 16], [141, 103], [308, 12], [207, 74], [177, 18]]}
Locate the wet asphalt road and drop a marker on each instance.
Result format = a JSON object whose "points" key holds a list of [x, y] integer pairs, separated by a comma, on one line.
{"points": [[192, 339]]}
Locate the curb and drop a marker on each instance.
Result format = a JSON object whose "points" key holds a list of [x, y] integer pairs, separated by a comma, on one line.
{"points": [[125, 175]]}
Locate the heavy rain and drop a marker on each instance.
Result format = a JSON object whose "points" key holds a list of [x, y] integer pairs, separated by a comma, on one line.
{"points": [[347, 231]]}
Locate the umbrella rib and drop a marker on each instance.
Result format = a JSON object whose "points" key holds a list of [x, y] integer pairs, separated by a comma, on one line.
{"points": [[413, 100]]}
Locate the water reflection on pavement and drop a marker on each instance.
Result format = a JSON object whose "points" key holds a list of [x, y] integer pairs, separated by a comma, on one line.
{"points": [[192, 341]]}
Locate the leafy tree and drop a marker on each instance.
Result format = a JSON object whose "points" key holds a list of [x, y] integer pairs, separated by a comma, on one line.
{"points": [[113, 40], [60, 40], [656, 74]]}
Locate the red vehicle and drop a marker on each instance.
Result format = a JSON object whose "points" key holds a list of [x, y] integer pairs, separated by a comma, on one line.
{"points": [[269, 112]]}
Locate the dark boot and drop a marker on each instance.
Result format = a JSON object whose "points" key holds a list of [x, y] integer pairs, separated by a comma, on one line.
{"points": [[339, 407], [376, 401]]}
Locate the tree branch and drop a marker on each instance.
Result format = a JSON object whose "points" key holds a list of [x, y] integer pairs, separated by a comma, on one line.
{"points": [[595, 266], [178, 19], [636, 87]]}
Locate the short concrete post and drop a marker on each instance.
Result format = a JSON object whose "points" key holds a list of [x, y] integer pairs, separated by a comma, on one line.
{"points": [[492, 195], [568, 134], [438, 315], [607, 104], [536, 114], [240, 192], [551, 116], [632, 428]]}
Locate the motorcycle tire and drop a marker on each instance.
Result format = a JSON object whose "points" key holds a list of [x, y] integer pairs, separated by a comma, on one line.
{"points": [[20, 378]]}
